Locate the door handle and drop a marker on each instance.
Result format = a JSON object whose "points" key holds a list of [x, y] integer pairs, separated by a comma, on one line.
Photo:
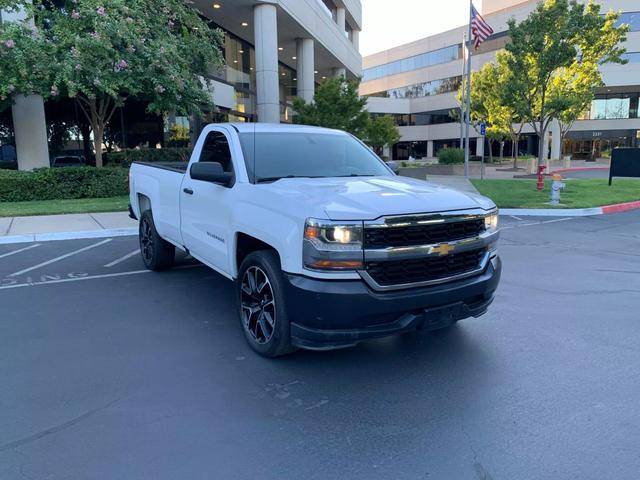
{"points": [[188, 191]]}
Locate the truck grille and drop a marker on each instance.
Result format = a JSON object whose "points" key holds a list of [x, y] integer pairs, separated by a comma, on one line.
{"points": [[412, 235], [400, 272]]}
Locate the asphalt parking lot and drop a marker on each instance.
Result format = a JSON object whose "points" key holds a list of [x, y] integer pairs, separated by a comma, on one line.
{"points": [[108, 371]]}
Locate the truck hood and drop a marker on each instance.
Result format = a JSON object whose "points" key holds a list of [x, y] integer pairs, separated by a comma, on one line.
{"points": [[367, 198]]}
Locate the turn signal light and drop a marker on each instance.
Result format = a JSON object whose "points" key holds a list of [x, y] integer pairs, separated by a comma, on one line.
{"points": [[336, 265]]}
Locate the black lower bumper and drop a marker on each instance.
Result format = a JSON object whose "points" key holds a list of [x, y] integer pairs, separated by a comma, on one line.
{"points": [[330, 314]]}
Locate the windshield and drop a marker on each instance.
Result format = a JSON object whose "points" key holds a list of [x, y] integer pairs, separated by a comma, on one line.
{"points": [[291, 154]]}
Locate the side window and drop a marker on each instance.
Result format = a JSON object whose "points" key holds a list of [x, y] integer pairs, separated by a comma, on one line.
{"points": [[216, 149]]}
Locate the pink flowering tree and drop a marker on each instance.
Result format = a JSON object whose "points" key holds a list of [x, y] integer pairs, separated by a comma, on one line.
{"points": [[101, 52], [23, 62]]}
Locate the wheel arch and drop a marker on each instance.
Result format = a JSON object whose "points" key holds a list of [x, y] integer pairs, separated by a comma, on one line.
{"points": [[246, 244], [144, 203]]}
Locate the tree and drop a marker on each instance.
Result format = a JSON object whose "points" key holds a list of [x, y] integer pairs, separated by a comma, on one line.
{"points": [[381, 131], [573, 88], [502, 115], [557, 34], [336, 104], [24, 62], [101, 52]]}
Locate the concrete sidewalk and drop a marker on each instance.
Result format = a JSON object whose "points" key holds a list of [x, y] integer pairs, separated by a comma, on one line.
{"points": [[90, 224], [455, 182]]}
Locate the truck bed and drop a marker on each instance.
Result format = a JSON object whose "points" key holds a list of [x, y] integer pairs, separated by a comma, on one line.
{"points": [[179, 167]]}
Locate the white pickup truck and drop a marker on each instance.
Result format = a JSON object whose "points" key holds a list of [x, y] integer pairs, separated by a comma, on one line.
{"points": [[326, 245]]}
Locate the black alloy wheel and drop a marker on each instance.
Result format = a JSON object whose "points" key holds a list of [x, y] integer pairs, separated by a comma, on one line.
{"points": [[258, 305]]}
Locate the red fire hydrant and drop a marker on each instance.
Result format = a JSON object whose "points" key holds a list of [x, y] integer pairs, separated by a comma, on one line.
{"points": [[540, 184]]}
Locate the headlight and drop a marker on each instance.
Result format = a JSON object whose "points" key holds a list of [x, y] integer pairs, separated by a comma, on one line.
{"points": [[491, 222], [332, 245]]}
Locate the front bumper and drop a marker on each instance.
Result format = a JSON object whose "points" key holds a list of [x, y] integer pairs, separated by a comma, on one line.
{"points": [[329, 314]]}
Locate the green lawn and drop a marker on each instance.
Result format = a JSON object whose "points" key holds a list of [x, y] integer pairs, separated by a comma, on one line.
{"points": [[578, 193], [52, 207]]}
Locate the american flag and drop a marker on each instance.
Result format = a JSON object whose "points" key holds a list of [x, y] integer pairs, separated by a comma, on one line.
{"points": [[479, 28]]}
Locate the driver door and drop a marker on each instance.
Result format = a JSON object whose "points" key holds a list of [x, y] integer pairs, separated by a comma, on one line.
{"points": [[205, 207]]}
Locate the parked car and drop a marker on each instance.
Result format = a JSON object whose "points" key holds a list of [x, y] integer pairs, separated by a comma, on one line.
{"points": [[326, 245], [68, 161]]}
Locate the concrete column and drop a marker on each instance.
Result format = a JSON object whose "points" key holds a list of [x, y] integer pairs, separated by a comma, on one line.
{"points": [[341, 19], [30, 129], [479, 146], [340, 72], [266, 44], [430, 149], [386, 152], [29, 123], [305, 66], [556, 144], [355, 39]]}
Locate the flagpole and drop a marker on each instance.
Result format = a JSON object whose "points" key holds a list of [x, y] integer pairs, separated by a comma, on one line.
{"points": [[468, 88], [463, 96]]}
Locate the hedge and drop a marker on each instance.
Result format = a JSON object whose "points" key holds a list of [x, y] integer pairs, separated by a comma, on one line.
{"points": [[63, 183], [167, 154], [450, 156]]}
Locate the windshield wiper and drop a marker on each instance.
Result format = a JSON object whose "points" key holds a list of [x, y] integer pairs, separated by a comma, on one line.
{"points": [[355, 175], [272, 179], [275, 179]]}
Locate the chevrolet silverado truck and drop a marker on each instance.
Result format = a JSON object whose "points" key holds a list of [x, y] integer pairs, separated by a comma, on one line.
{"points": [[326, 245]]}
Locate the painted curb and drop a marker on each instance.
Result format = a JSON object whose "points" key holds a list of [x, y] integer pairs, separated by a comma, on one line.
{"points": [[571, 212], [43, 237], [548, 212], [621, 207]]}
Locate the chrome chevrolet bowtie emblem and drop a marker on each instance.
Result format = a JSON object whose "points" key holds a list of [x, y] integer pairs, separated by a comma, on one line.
{"points": [[442, 249]]}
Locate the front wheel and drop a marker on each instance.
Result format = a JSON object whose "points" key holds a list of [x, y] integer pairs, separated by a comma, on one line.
{"points": [[157, 253], [262, 311]]}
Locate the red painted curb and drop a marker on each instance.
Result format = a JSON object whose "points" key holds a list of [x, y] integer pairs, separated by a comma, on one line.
{"points": [[578, 169], [621, 207]]}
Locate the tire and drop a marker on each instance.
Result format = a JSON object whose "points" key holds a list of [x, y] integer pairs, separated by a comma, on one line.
{"points": [[157, 254], [261, 304]]}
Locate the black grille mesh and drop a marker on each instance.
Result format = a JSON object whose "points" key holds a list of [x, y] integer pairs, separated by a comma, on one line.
{"points": [[398, 272], [422, 234]]}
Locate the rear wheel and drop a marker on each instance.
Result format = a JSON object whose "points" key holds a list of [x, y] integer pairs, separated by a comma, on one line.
{"points": [[157, 254], [261, 306]]}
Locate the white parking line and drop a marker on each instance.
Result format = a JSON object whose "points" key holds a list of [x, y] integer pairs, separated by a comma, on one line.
{"points": [[62, 257], [20, 250], [541, 222], [558, 220], [89, 277], [122, 259]]}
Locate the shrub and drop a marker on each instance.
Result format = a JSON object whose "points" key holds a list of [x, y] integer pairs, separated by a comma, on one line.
{"points": [[167, 154], [450, 156], [63, 183]]}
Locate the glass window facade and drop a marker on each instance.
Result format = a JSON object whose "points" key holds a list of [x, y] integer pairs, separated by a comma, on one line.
{"points": [[434, 117], [614, 106], [630, 18], [424, 89], [239, 71], [423, 60]]}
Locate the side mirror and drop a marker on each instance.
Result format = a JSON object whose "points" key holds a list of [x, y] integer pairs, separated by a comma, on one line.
{"points": [[394, 167], [211, 172]]}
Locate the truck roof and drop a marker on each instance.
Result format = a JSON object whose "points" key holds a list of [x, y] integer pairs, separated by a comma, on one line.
{"points": [[276, 127]]}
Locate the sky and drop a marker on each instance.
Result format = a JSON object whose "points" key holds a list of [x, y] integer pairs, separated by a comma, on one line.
{"points": [[389, 23]]}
